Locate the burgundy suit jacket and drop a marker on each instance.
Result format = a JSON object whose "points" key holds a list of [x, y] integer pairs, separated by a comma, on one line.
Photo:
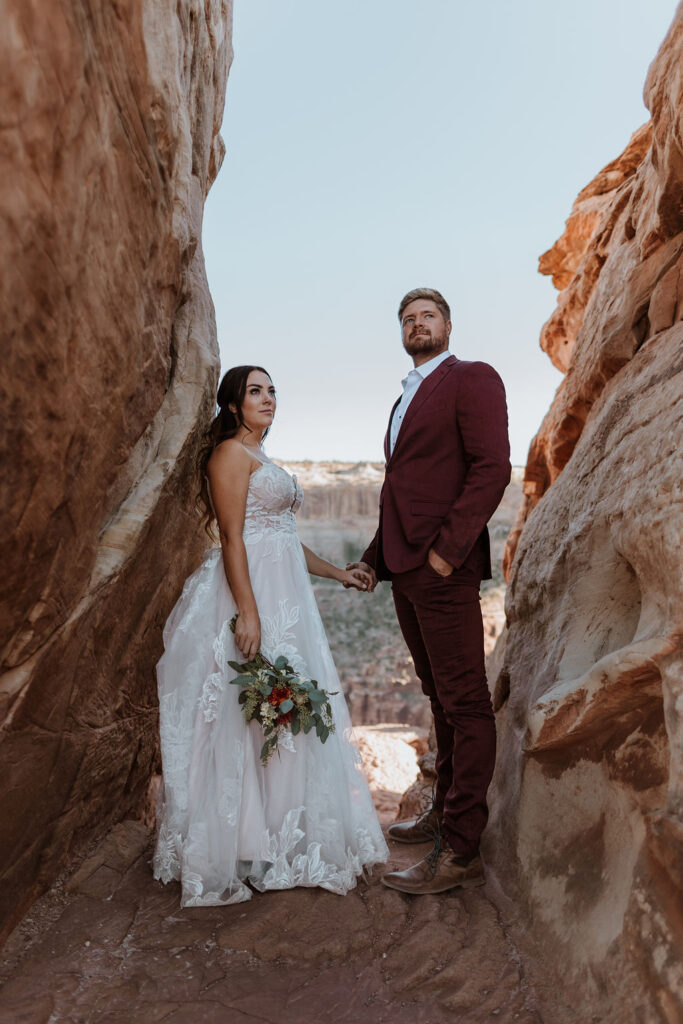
{"points": [[447, 473]]}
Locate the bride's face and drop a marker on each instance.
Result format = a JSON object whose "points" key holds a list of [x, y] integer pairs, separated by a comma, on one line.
{"points": [[258, 406]]}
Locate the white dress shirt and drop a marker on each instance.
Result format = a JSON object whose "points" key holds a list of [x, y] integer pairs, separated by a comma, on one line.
{"points": [[410, 385]]}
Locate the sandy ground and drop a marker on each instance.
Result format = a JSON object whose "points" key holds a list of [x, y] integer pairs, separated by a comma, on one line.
{"points": [[122, 952]]}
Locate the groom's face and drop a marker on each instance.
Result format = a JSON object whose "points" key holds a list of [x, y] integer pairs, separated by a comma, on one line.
{"points": [[425, 332]]}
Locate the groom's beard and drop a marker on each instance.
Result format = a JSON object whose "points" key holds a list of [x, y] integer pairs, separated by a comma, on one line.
{"points": [[424, 340]]}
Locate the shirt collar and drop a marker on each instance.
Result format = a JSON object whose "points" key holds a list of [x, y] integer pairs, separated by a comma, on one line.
{"points": [[426, 368]]}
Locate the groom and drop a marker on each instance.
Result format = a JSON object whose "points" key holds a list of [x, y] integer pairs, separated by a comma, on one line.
{"points": [[447, 465]]}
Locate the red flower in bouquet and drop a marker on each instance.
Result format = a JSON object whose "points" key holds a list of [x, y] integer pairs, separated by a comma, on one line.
{"points": [[279, 694]]}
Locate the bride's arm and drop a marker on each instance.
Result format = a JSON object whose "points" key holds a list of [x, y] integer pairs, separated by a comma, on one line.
{"points": [[229, 470], [317, 566]]}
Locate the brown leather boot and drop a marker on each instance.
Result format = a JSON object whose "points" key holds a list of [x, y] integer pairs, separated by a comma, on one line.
{"points": [[417, 830], [437, 872]]}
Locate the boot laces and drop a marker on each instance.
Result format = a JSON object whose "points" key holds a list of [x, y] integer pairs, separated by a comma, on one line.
{"points": [[422, 820], [432, 858]]}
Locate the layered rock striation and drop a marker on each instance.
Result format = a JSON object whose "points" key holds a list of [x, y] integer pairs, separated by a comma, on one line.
{"points": [[587, 825], [339, 490], [109, 144]]}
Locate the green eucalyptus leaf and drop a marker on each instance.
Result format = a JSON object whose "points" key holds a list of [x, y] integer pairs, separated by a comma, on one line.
{"points": [[286, 706]]}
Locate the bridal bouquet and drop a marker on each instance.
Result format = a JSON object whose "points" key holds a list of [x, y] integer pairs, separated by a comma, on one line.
{"points": [[281, 701]]}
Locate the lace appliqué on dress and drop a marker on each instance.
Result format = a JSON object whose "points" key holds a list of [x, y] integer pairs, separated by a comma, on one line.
{"points": [[273, 498], [277, 634], [166, 861], [308, 867], [231, 788], [215, 684], [195, 870], [176, 747]]}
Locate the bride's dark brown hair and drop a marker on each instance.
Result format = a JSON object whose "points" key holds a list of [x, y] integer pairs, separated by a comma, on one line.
{"points": [[225, 424]]}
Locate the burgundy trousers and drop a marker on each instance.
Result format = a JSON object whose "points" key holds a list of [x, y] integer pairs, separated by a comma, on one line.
{"points": [[440, 619]]}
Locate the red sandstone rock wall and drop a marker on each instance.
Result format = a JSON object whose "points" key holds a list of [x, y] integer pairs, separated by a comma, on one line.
{"points": [[108, 146], [587, 825]]}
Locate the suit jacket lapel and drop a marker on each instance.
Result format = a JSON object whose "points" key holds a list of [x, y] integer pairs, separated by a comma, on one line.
{"points": [[426, 388], [387, 436]]}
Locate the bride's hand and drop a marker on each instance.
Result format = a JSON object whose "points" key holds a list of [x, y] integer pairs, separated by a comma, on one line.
{"points": [[356, 579], [366, 573], [248, 634]]}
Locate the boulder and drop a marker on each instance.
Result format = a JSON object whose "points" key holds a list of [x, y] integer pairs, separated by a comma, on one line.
{"points": [[110, 143], [586, 829]]}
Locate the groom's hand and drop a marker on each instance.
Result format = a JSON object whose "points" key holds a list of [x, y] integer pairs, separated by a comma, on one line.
{"points": [[356, 579], [439, 564], [364, 567]]}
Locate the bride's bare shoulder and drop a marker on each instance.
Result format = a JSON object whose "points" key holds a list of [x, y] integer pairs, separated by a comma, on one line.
{"points": [[230, 456], [230, 453]]}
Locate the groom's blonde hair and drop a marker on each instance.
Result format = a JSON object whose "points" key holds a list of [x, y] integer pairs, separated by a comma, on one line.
{"points": [[425, 293]]}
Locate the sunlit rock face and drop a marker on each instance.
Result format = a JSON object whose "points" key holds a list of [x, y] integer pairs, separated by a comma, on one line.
{"points": [[587, 803], [109, 146]]}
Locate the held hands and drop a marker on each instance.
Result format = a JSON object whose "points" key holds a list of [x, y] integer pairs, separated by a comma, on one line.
{"points": [[360, 573], [356, 578], [248, 634]]}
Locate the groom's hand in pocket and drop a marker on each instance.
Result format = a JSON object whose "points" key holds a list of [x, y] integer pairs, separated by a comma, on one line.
{"points": [[439, 564], [365, 574]]}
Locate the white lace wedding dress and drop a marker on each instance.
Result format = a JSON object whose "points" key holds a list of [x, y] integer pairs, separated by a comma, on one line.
{"points": [[307, 817]]}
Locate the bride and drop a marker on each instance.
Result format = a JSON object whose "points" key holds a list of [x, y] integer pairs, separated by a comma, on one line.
{"points": [[306, 817]]}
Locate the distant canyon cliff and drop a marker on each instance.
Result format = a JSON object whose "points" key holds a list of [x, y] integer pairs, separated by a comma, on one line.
{"points": [[338, 490], [586, 831]]}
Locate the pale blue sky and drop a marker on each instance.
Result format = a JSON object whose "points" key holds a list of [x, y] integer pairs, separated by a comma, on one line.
{"points": [[377, 145]]}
